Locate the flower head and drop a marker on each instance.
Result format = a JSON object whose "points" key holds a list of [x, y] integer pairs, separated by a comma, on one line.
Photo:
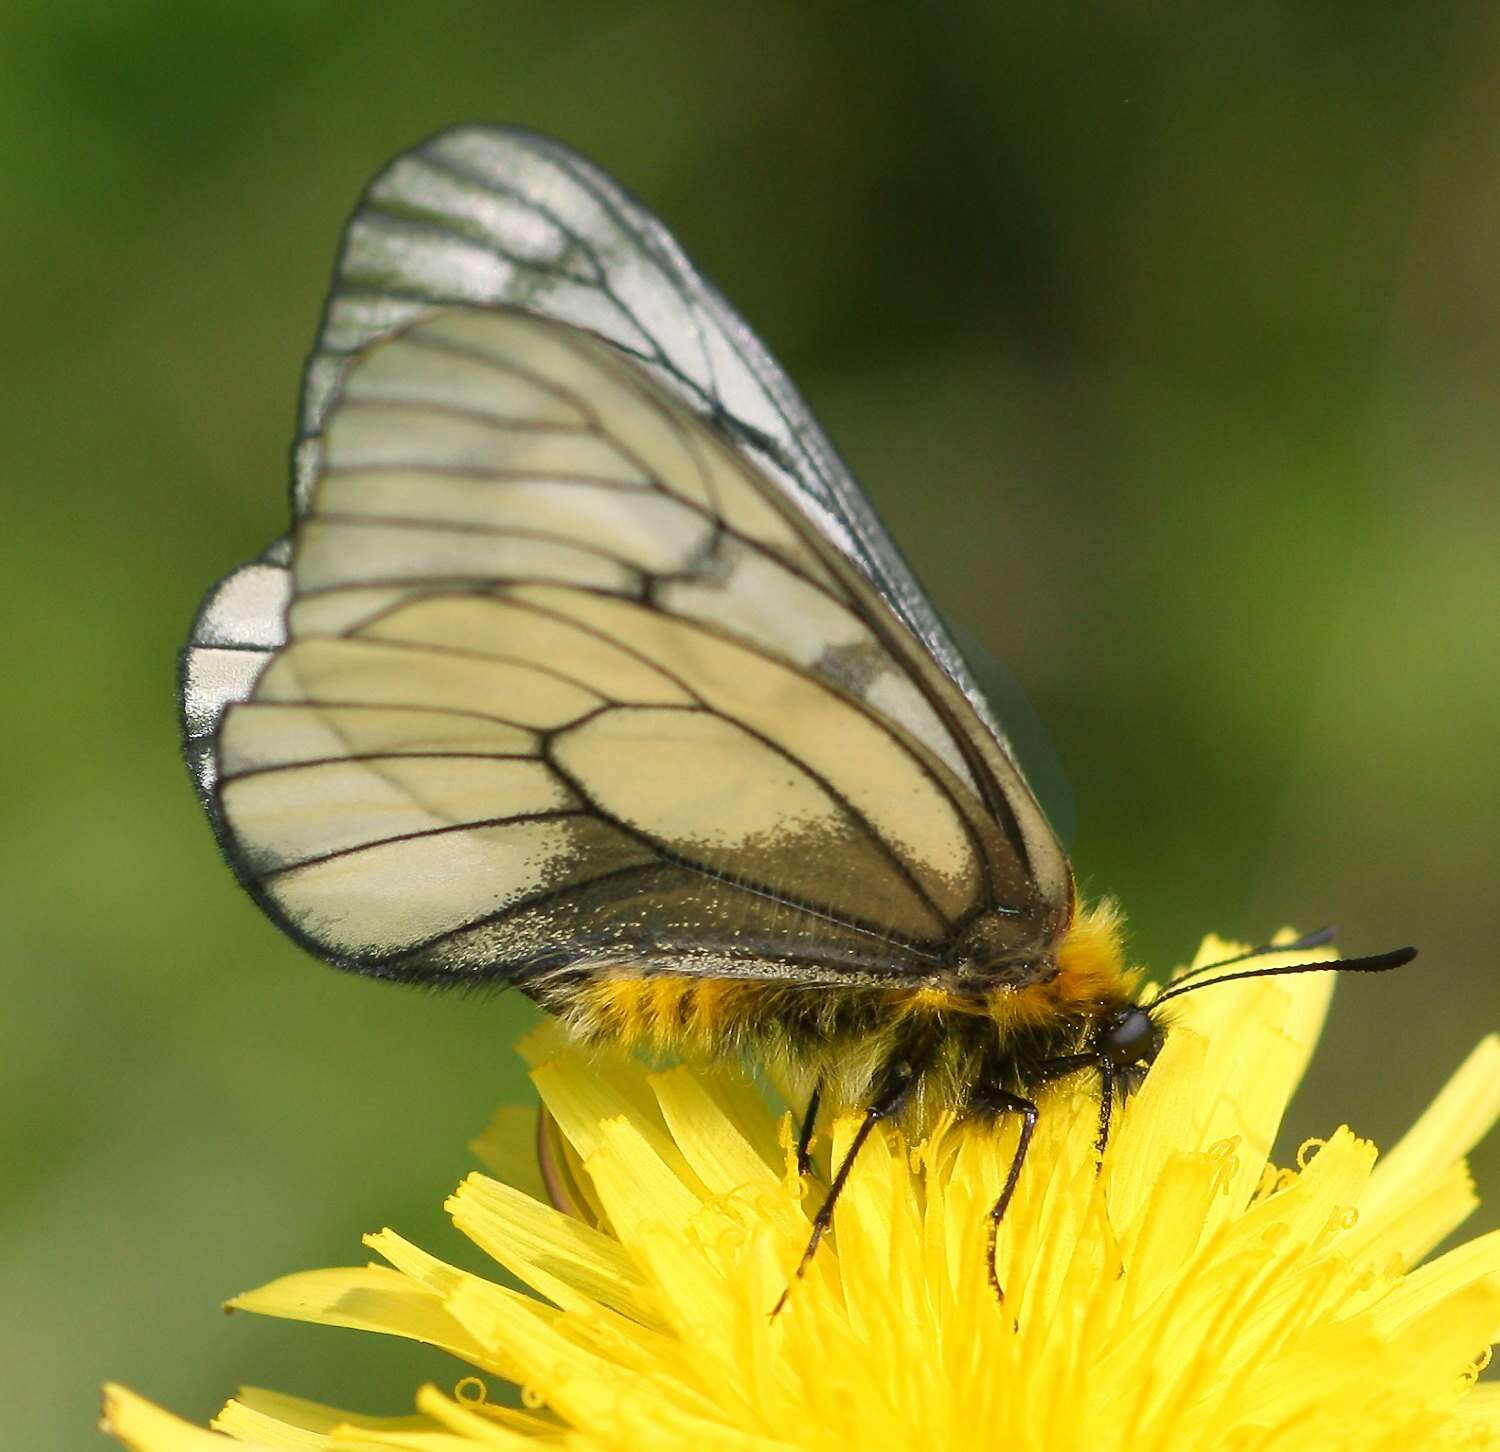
{"points": [[1189, 1295]]}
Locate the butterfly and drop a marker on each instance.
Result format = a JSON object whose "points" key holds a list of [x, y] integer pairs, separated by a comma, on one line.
{"points": [[588, 670]]}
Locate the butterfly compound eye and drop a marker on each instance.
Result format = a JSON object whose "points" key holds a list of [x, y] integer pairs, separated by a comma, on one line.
{"points": [[1129, 1038]]}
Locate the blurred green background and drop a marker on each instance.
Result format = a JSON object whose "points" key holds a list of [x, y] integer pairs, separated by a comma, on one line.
{"points": [[1167, 342]]}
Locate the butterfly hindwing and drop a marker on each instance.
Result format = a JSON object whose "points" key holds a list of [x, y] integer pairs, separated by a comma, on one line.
{"points": [[566, 681]]}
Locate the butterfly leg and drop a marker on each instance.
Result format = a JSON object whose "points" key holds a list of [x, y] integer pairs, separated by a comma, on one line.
{"points": [[805, 1134], [989, 1100], [1106, 1110], [893, 1087]]}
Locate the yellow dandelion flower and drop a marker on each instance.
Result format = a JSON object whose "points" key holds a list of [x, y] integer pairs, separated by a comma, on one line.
{"points": [[1188, 1296]]}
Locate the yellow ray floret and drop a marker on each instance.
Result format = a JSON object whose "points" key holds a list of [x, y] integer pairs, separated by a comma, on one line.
{"points": [[1191, 1296]]}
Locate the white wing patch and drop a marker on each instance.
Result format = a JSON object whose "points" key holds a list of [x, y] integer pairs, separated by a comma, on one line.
{"points": [[565, 681], [398, 895], [332, 807]]}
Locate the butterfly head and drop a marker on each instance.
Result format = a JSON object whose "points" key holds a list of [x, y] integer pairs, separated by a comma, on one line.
{"points": [[1128, 1038]]}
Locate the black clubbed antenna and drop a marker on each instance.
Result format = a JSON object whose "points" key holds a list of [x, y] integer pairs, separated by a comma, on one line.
{"points": [[1373, 963]]}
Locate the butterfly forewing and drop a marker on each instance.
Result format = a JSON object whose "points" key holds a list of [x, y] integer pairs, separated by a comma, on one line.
{"points": [[482, 214]]}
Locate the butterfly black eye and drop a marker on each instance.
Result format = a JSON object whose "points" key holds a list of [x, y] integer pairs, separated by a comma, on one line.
{"points": [[1129, 1038]]}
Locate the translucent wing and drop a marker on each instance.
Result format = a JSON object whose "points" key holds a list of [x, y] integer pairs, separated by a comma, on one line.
{"points": [[567, 681], [485, 215]]}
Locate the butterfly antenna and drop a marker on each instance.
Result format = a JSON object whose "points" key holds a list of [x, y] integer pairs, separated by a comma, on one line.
{"points": [[1319, 939], [1374, 963]]}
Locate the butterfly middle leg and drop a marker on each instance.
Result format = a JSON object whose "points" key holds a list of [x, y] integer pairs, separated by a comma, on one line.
{"points": [[892, 1089]]}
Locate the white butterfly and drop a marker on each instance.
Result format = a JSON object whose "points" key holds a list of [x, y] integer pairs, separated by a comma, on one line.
{"points": [[588, 669]]}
